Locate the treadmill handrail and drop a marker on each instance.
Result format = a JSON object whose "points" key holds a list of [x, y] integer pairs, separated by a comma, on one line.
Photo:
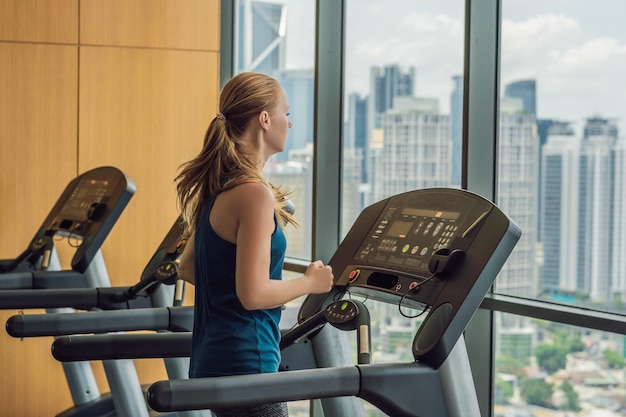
{"points": [[130, 346], [61, 324], [379, 384], [41, 280], [244, 390]]}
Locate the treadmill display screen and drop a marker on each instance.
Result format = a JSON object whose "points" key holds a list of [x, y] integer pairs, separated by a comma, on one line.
{"points": [[87, 192], [76, 215], [405, 238]]}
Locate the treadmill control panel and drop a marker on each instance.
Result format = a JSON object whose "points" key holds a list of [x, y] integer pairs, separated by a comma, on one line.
{"points": [[86, 203], [437, 250], [404, 238], [88, 209]]}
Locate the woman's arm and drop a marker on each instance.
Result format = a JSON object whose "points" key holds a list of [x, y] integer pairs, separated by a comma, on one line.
{"points": [[186, 269], [254, 209]]}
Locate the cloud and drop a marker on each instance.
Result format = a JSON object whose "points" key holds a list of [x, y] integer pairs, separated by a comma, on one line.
{"points": [[430, 42], [590, 56], [532, 40], [578, 69]]}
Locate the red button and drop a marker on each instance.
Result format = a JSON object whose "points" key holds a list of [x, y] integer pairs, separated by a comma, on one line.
{"points": [[353, 275]]}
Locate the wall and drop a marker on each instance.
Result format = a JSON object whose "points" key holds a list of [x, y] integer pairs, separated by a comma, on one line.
{"points": [[87, 83]]}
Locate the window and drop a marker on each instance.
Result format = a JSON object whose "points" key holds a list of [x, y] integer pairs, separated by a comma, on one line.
{"points": [[277, 37], [559, 164], [402, 100], [560, 178]]}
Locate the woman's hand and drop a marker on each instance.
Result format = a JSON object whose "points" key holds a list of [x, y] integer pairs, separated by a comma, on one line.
{"points": [[320, 277]]}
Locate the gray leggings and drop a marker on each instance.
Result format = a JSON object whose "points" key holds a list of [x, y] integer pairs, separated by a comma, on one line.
{"points": [[260, 410]]}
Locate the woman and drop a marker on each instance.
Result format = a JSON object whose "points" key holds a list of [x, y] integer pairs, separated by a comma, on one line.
{"points": [[237, 246]]}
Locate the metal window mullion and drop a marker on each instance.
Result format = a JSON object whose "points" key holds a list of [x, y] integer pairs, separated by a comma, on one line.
{"points": [[559, 313], [327, 128], [480, 159], [227, 41]]}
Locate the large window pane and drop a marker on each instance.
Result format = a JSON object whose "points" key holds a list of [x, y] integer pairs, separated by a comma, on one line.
{"points": [[402, 114], [277, 37], [561, 177], [554, 370], [562, 165], [403, 99]]}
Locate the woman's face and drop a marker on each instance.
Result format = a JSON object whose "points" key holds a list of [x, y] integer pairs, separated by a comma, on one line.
{"points": [[280, 123]]}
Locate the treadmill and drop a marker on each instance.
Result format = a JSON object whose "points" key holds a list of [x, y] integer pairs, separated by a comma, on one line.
{"points": [[113, 309], [85, 213], [437, 251]]}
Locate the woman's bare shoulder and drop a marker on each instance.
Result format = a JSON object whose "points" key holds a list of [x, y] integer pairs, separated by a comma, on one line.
{"points": [[253, 193]]}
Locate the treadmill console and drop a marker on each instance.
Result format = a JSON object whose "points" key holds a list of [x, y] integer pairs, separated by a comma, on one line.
{"points": [[163, 264], [437, 250], [86, 203], [87, 210]]}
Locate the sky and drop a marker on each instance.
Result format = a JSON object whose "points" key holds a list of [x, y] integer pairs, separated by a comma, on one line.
{"points": [[574, 49]]}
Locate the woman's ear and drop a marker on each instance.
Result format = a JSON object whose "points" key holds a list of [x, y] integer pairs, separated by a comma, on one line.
{"points": [[264, 119]]}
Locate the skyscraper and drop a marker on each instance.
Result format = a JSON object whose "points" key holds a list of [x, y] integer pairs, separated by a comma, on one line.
{"points": [[456, 129], [548, 128], [517, 195], [596, 209], [298, 85], [416, 150], [526, 90], [386, 85], [261, 36], [559, 217]]}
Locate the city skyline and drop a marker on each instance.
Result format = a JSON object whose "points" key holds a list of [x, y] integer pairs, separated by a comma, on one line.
{"points": [[576, 57], [388, 148]]}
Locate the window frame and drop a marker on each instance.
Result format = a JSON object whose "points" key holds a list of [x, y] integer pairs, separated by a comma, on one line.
{"points": [[479, 172]]}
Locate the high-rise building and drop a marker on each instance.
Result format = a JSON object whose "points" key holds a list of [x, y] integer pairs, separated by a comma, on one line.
{"points": [[559, 216], [386, 85], [525, 90], [618, 225], [548, 128], [596, 211], [355, 131], [415, 151], [456, 129], [298, 85], [260, 35], [517, 195]]}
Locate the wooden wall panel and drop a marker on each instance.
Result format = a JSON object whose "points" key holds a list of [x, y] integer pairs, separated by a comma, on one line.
{"points": [[49, 21], [38, 148], [38, 137], [169, 24], [141, 101], [144, 111]]}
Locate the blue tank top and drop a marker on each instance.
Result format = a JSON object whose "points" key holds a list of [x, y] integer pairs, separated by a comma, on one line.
{"points": [[228, 339]]}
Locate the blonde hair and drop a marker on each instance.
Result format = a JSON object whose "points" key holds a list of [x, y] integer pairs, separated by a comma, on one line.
{"points": [[224, 162]]}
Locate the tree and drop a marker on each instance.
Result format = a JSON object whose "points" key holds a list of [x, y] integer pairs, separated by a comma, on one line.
{"points": [[572, 402], [509, 365], [575, 344], [551, 358], [536, 392], [613, 359], [503, 391]]}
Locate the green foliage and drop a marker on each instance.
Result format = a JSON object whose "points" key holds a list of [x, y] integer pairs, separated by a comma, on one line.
{"points": [[613, 359], [575, 344], [536, 392], [551, 358], [509, 365], [503, 391], [572, 403]]}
